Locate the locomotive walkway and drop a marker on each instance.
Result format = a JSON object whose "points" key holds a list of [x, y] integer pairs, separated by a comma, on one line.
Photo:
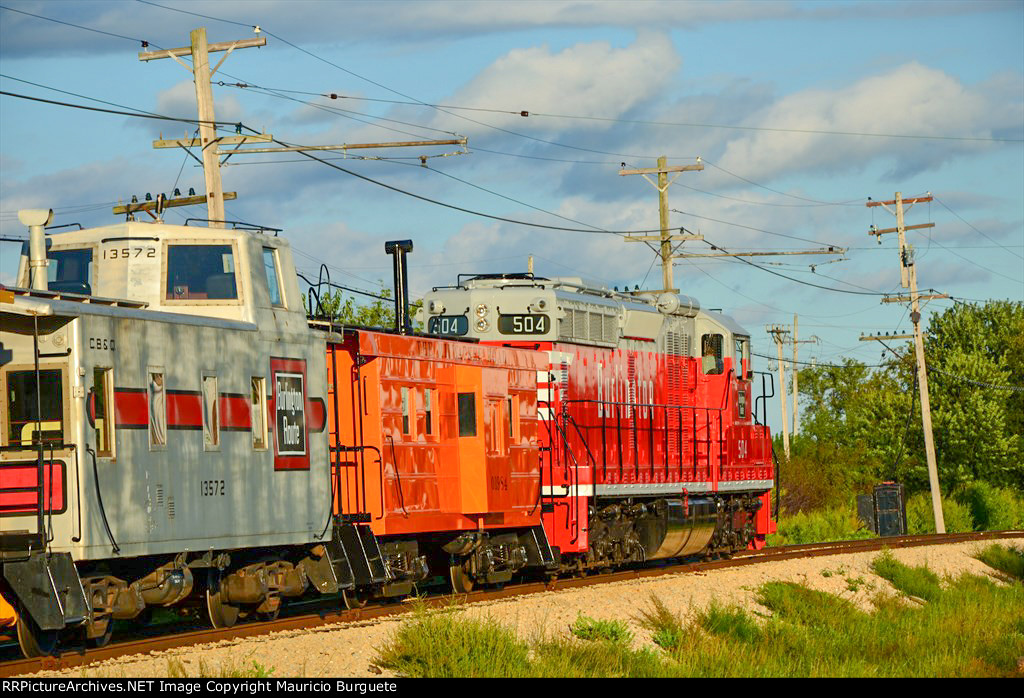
{"points": [[304, 617]]}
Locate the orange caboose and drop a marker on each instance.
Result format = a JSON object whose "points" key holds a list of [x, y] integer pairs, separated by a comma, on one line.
{"points": [[434, 444]]}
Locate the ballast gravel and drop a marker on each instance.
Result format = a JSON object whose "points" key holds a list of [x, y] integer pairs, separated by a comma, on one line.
{"points": [[348, 650]]}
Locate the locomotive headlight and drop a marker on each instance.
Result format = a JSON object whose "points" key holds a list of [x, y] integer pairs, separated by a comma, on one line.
{"points": [[482, 324], [481, 310], [436, 308]]}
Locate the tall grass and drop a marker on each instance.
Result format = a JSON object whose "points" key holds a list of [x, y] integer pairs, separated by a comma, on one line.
{"points": [[1006, 559], [968, 626]]}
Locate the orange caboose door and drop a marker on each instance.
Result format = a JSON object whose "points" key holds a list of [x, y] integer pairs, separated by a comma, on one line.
{"points": [[499, 462]]}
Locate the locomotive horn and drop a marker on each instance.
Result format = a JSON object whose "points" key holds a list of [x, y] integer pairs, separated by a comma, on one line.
{"points": [[398, 249]]}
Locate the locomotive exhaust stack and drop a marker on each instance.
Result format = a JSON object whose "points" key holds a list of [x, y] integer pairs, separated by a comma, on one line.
{"points": [[398, 249]]}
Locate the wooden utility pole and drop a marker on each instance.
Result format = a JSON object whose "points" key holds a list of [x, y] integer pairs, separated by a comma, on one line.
{"points": [[201, 73], [211, 143], [908, 279], [665, 239], [779, 332], [796, 370]]}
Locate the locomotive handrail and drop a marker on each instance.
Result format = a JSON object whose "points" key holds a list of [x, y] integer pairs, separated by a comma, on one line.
{"points": [[764, 396], [572, 475], [633, 427]]}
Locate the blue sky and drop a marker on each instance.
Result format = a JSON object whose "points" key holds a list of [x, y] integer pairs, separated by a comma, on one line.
{"points": [[770, 94]]}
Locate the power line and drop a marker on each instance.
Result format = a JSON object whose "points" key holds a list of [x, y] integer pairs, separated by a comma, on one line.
{"points": [[975, 229], [526, 113]]}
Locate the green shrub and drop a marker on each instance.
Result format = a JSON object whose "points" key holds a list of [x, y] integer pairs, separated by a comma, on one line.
{"points": [[447, 645], [839, 523], [992, 508], [920, 519], [587, 628], [820, 474], [667, 628], [732, 622]]}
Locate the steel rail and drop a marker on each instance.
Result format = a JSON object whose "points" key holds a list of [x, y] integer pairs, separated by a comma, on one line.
{"points": [[79, 657]]}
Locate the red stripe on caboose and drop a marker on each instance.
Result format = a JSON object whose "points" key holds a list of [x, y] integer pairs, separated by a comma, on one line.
{"points": [[235, 412], [131, 408], [184, 410]]}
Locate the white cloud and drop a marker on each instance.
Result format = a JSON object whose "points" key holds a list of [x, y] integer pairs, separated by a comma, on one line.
{"points": [[586, 79], [910, 100]]}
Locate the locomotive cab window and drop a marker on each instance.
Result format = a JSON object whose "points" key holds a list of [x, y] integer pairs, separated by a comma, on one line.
{"points": [[743, 355], [711, 355], [201, 272], [467, 414], [27, 425]]}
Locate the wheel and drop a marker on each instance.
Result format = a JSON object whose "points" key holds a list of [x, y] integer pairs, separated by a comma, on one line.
{"points": [[221, 613], [462, 583], [35, 642], [355, 598]]}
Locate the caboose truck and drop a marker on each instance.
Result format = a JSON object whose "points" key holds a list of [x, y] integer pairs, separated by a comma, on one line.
{"points": [[649, 443], [174, 433]]}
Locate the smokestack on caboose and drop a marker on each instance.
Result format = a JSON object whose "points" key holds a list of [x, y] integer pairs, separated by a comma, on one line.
{"points": [[398, 249]]}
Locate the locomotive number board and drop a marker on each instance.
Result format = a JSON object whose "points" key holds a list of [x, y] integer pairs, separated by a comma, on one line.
{"points": [[524, 324], [449, 325]]}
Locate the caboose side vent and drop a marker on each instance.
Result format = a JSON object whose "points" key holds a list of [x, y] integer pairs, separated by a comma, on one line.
{"points": [[398, 249]]}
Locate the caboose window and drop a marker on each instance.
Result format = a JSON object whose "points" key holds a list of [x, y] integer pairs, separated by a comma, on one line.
{"points": [[467, 414], [273, 282], [405, 410], [201, 272], [259, 413], [211, 413], [70, 271], [157, 410], [428, 412], [25, 424], [103, 411]]}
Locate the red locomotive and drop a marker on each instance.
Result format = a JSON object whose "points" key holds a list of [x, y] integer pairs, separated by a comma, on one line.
{"points": [[650, 449]]}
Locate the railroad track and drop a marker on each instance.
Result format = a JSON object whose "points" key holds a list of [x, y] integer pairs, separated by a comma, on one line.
{"points": [[325, 616]]}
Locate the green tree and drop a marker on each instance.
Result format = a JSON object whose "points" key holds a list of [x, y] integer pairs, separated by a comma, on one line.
{"points": [[378, 313], [873, 416], [974, 352]]}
